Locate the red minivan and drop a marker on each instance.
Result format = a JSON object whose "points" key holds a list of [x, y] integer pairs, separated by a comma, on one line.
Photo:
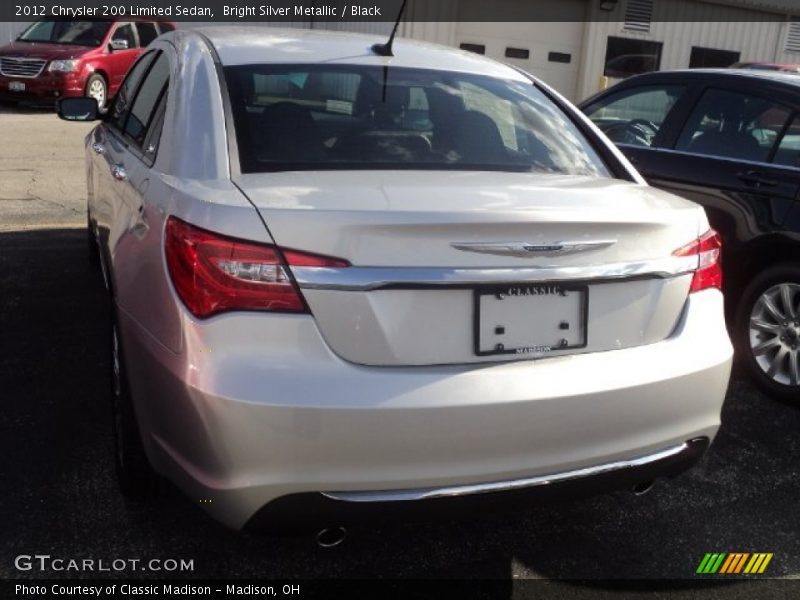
{"points": [[54, 58]]}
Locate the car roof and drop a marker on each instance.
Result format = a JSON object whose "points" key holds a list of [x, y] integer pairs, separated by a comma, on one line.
{"points": [[765, 64], [787, 78], [243, 45]]}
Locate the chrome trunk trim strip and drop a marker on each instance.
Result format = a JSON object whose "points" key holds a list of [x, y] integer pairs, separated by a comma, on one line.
{"points": [[375, 278]]}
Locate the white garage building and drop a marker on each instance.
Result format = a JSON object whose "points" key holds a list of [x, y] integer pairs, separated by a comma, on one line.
{"points": [[595, 38], [590, 43]]}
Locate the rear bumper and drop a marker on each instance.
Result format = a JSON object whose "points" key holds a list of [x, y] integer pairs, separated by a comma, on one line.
{"points": [[316, 511], [256, 408]]}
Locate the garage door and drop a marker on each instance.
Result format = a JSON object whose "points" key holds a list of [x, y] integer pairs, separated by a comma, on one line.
{"points": [[549, 50], [10, 30]]}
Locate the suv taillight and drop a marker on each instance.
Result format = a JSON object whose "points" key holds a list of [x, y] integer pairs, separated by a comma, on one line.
{"points": [[214, 273], [708, 250]]}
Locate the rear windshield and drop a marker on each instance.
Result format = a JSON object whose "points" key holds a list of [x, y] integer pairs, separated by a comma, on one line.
{"points": [[78, 33], [356, 117]]}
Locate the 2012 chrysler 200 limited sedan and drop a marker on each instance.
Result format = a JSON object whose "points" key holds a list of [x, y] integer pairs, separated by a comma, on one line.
{"points": [[343, 280]]}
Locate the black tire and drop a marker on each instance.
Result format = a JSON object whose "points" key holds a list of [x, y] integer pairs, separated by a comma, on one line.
{"points": [[93, 85], [785, 338], [91, 245], [137, 479]]}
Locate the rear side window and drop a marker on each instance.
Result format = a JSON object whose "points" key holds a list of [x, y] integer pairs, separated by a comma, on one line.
{"points": [[634, 116], [153, 138], [147, 33], [122, 101], [358, 117], [788, 153], [166, 27], [143, 108], [730, 124]]}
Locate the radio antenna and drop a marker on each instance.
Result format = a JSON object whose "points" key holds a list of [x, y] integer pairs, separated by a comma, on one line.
{"points": [[386, 49]]}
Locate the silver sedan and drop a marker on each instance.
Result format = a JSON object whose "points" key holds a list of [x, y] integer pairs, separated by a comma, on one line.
{"points": [[342, 279]]}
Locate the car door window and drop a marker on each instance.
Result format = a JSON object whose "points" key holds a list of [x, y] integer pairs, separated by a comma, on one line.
{"points": [[634, 116], [788, 153], [124, 33], [153, 87], [733, 125], [122, 101], [147, 33]]}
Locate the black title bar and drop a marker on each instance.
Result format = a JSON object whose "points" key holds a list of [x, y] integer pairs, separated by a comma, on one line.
{"points": [[298, 11], [205, 10]]}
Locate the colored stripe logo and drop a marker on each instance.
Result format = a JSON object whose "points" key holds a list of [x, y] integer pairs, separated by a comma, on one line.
{"points": [[734, 563]]}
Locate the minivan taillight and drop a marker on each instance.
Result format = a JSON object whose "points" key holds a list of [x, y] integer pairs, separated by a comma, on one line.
{"points": [[708, 250], [213, 273]]}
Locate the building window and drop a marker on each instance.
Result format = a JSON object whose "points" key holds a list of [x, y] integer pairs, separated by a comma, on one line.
{"points": [[476, 48], [518, 53], [626, 57], [711, 58], [559, 57]]}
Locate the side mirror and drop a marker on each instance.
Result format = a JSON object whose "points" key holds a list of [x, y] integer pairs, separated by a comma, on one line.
{"points": [[77, 109], [118, 45]]}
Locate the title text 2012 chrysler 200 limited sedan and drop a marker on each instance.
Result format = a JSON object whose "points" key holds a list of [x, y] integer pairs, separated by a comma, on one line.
{"points": [[343, 279]]}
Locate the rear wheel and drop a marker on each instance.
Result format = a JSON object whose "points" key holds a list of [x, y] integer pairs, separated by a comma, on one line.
{"points": [[136, 477], [97, 88], [768, 331]]}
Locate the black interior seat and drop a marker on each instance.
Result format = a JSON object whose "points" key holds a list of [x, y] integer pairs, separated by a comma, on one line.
{"points": [[288, 133], [477, 140], [731, 138]]}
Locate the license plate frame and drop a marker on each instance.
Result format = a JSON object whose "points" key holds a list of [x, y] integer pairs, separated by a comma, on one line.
{"points": [[531, 292], [16, 86]]}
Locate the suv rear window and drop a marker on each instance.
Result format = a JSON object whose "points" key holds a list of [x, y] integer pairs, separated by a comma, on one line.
{"points": [[359, 117]]}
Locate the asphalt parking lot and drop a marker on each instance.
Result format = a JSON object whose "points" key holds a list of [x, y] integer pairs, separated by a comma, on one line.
{"points": [[58, 494]]}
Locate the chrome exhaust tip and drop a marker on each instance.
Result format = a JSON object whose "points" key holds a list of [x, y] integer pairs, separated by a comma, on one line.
{"points": [[330, 537], [640, 489]]}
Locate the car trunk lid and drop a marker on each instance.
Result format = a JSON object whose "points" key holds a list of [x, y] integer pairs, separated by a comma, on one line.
{"points": [[464, 267]]}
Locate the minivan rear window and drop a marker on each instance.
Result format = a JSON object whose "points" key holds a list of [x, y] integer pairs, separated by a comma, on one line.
{"points": [[58, 31], [297, 117]]}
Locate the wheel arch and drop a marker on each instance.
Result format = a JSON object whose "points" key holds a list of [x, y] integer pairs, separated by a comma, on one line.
{"points": [[100, 71], [759, 255]]}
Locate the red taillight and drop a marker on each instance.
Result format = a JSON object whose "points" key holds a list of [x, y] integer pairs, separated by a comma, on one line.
{"points": [[708, 250], [213, 273]]}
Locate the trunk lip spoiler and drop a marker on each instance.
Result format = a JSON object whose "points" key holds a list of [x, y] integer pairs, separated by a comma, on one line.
{"points": [[377, 278]]}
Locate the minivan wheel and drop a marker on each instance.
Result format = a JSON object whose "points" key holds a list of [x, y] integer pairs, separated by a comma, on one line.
{"points": [[136, 477], [97, 88], [768, 331]]}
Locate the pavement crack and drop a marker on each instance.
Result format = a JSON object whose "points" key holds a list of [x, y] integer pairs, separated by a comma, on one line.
{"points": [[33, 196]]}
